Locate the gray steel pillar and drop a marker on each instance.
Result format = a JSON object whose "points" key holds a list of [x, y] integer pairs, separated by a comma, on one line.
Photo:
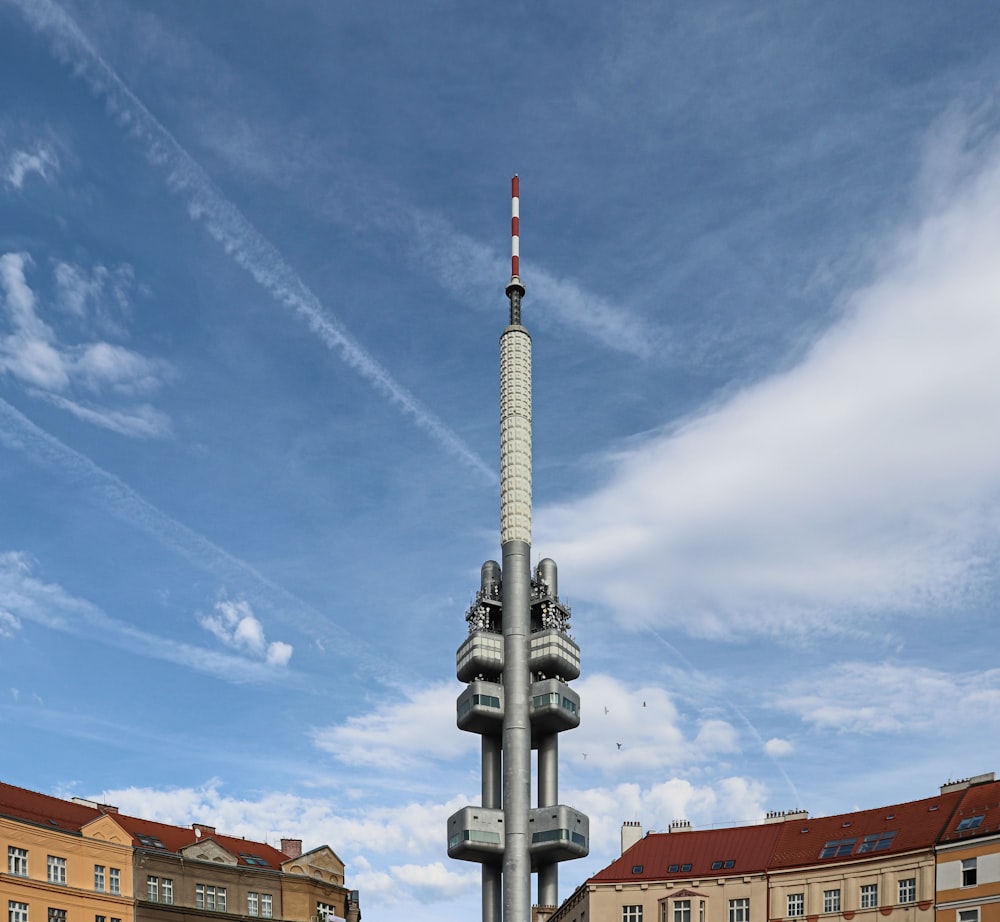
{"points": [[548, 796], [516, 591], [492, 792]]}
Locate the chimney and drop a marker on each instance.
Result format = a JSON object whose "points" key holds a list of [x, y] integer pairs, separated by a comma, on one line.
{"points": [[631, 833], [292, 847], [779, 816], [964, 783], [680, 825], [201, 830]]}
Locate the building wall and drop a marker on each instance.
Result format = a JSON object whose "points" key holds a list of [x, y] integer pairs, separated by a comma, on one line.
{"points": [[849, 877], [184, 876], [659, 901], [954, 899], [78, 897]]}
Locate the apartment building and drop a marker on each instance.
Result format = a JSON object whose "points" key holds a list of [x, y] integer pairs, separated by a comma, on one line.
{"points": [[930, 860], [79, 861], [968, 856]]}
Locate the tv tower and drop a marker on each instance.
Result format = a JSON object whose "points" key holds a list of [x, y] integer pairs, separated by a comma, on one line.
{"points": [[518, 661]]}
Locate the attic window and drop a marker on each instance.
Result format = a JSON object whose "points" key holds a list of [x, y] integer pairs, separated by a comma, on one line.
{"points": [[932, 808], [876, 842], [890, 816], [685, 867], [804, 829], [636, 868], [838, 848], [970, 822], [729, 864], [846, 823], [673, 869], [716, 865], [255, 859], [150, 841]]}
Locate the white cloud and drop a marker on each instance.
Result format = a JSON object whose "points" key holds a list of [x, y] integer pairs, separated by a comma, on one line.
{"points": [[866, 478], [9, 623], [236, 625], [409, 730], [776, 748], [31, 353], [890, 698], [27, 598], [21, 164]]}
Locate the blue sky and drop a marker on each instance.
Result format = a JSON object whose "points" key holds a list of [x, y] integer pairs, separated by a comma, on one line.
{"points": [[252, 260]]}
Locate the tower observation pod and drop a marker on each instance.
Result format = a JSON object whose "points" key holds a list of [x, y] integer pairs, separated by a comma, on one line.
{"points": [[517, 663]]}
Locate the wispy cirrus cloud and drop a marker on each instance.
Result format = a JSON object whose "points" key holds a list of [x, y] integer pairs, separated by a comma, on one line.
{"points": [[226, 224], [893, 698], [28, 598], [77, 377]]}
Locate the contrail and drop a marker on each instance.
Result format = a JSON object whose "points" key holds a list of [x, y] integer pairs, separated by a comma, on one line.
{"points": [[18, 433], [225, 222]]}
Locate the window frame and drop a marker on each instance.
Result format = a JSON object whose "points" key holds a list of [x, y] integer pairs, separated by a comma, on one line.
{"points": [[831, 900], [632, 912], [100, 878], [17, 911], [17, 861], [267, 903], [54, 863], [739, 909], [868, 896], [970, 872], [907, 890], [795, 904], [681, 910], [115, 881]]}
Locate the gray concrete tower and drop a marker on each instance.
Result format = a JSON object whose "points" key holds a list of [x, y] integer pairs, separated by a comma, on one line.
{"points": [[517, 662]]}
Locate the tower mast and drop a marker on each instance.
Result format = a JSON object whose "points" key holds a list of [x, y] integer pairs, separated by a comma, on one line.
{"points": [[517, 660]]}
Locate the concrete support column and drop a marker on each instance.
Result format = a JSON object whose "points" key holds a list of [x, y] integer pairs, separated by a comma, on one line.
{"points": [[516, 591]]}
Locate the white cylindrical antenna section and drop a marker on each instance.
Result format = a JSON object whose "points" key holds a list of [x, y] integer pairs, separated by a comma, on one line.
{"points": [[515, 435]]}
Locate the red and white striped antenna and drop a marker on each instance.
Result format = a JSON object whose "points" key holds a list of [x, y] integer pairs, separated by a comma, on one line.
{"points": [[515, 288], [515, 226]]}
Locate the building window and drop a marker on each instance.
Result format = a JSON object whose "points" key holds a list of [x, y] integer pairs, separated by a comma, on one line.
{"points": [[17, 912], [17, 862], [167, 890], [908, 890], [99, 877], [739, 910], [969, 875], [100, 919], [869, 896], [57, 870], [325, 910], [701, 911], [838, 848], [253, 904], [266, 906], [57, 915], [153, 889], [831, 901], [210, 898], [968, 915], [877, 842], [796, 904], [114, 880], [970, 822], [682, 911], [632, 913]]}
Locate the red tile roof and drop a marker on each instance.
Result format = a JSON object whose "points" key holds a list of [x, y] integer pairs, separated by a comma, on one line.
{"points": [[916, 824], [980, 800], [22, 804], [749, 847]]}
